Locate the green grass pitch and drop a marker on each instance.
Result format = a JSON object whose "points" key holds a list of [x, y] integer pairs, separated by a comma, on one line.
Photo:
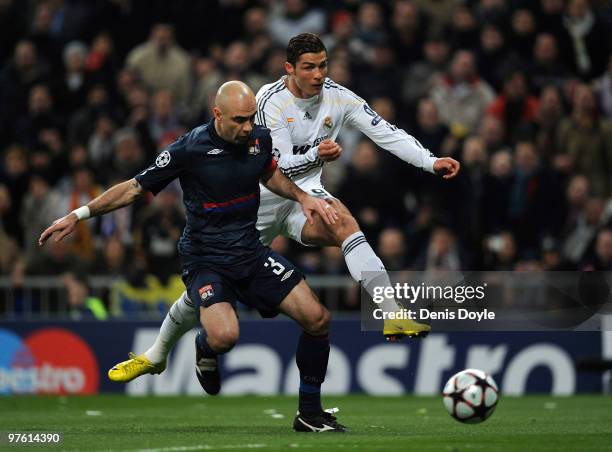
{"points": [[176, 424]]}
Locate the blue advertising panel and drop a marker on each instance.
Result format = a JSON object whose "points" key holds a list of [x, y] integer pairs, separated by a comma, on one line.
{"points": [[73, 358]]}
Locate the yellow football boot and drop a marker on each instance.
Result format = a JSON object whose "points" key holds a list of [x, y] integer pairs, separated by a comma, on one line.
{"points": [[396, 329], [134, 367]]}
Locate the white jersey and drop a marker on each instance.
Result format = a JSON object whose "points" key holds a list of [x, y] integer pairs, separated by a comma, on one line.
{"points": [[299, 125]]}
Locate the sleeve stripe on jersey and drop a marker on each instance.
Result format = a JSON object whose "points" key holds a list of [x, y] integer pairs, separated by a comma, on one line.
{"points": [[262, 102], [261, 98], [262, 116], [329, 84], [417, 142], [302, 169], [303, 165]]}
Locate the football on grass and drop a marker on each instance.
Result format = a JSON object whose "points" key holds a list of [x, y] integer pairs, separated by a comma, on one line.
{"points": [[470, 396]]}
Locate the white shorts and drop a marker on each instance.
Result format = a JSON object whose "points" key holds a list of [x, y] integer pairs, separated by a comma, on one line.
{"points": [[280, 216]]}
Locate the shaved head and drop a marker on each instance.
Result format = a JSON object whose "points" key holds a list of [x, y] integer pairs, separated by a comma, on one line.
{"points": [[233, 94], [235, 108]]}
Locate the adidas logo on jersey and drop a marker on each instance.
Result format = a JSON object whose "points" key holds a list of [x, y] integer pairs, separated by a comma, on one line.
{"points": [[307, 116], [215, 151]]}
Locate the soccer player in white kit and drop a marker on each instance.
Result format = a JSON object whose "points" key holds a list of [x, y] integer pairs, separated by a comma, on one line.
{"points": [[305, 111]]}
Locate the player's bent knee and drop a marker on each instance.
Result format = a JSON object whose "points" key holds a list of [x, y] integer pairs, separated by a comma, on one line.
{"points": [[344, 227], [222, 340], [318, 323]]}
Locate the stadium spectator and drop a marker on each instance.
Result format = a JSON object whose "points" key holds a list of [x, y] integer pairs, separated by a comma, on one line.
{"points": [[392, 249], [602, 258], [164, 118], [40, 206], [82, 123], [113, 260], [408, 28], [208, 77], [441, 252], [515, 104], [129, 157], [603, 89], [590, 41], [542, 129], [439, 13], [237, 65], [102, 62], [547, 68], [341, 33], [586, 139], [471, 185], [492, 54], [100, 143], [497, 188], [500, 252], [9, 225], [462, 31], [462, 97], [292, 17], [158, 228], [431, 132], [41, 114], [370, 28], [19, 75], [74, 82], [535, 190], [523, 33], [80, 189], [421, 76], [82, 305], [579, 227], [162, 63], [15, 178], [493, 132]]}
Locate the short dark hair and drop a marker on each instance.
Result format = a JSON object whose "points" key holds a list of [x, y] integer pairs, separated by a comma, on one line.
{"points": [[303, 43]]}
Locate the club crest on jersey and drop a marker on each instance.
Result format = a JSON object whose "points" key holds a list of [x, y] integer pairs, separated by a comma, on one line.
{"points": [[327, 122], [206, 292], [254, 147]]}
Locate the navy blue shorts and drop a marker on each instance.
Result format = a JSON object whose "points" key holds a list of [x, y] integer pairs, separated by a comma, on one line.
{"points": [[263, 286]]}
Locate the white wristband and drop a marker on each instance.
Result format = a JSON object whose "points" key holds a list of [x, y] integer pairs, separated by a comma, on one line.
{"points": [[82, 213]]}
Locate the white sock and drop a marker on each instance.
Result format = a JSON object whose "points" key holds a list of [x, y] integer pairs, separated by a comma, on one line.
{"points": [[181, 317], [366, 267]]}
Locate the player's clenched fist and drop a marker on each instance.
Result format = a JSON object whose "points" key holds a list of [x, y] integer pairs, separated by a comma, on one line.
{"points": [[446, 167], [329, 150]]}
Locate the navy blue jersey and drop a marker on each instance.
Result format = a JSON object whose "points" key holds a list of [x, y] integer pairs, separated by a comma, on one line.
{"points": [[220, 183]]}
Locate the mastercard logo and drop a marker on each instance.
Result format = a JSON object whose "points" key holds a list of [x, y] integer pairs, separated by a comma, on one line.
{"points": [[47, 361]]}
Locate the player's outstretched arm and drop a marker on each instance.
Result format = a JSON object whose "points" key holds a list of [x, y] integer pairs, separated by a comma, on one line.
{"points": [[280, 184], [114, 198]]}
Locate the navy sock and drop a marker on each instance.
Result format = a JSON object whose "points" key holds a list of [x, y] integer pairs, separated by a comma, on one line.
{"points": [[207, 352], [311, 358]]}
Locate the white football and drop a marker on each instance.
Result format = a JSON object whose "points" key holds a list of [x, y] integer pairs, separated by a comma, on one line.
{"points": [[470, 396]]}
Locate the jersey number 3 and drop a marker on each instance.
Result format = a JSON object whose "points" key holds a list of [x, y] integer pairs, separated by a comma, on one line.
{"points": [[277, 267]]}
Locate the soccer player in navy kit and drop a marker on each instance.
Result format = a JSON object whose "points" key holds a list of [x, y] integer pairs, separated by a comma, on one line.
{"points": [[220, 165]]}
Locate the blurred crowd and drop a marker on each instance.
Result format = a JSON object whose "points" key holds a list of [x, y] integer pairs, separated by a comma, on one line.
{"points": [[520, 92]]}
